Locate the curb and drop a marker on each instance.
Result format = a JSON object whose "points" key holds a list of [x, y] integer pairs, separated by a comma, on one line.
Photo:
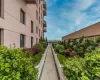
{"points": [[59, 68], [41, 64]]}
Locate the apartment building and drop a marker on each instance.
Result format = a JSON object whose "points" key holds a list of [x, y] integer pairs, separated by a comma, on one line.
{"points": [[22, 22], [90, 32]]}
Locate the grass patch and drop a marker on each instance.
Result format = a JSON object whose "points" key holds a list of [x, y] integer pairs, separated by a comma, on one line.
{"points": [[37, 58], [61, 58]]}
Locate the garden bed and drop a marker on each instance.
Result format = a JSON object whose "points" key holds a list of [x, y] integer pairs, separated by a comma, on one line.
{"points": [[80, 59], [19, 64]]}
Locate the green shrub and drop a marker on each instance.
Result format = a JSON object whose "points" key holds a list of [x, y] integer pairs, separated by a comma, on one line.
{"points": [[87, 68], [16, 65], [44, 44], [73, 68], [39, 46], [98, 39], [59, 48], [54, 44], [80, 46], [37, 58], [93, 65]]}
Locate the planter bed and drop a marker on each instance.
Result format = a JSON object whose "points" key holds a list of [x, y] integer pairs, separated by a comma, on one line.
{"points": [[79, 63], [19, 64]]}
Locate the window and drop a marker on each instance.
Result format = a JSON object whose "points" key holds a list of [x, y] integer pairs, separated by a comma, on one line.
{"points": [[39, 32], [39, 10], [31, 26], [37, 15], [41, 7], [31, 42], [39, 19], [36, 40], [41, 23], [0, 36], [2, 8], [39, 1], [22, 16], [41, 15], [22, 40], [36, 29]]}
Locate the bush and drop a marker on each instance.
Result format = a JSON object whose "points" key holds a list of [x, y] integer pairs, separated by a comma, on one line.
{"points": [[73, 68], [87, 68], [44, 44], [70, 53], [37, 58], [36, 49], [98, 40], [79, 46], [93, 65], [59, 48], [16, 65], [39, 46], [54, 44]]}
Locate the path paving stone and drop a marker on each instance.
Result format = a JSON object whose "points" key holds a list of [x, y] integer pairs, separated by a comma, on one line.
{"points": [[49, 70]]}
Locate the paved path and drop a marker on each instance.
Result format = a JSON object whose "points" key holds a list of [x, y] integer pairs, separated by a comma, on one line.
{"points": [[49, 70]]}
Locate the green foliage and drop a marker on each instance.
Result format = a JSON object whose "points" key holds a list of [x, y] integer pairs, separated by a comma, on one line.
{"points": [[87, 68], [37, 58], [86, 64], [93, 65], [73, 68], [81, 46], [54, 44], [44, 44], [39, 46], [43, 40], [98, 40], [61, 58], [16, 65], [59, 48]]}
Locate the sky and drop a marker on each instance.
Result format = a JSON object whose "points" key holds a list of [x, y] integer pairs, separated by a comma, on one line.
{"points": [[67, 16]]}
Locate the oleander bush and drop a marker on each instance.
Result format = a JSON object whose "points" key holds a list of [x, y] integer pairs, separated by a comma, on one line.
{"points": [[16, 65]]}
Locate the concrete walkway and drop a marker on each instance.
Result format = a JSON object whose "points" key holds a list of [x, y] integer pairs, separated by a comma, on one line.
{"points": [[49, 70]]}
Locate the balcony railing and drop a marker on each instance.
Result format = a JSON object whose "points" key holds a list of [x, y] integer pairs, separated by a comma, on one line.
{"points": [[44, 29], [30, 1], [44, 12], [44, 5], [44, 24]]}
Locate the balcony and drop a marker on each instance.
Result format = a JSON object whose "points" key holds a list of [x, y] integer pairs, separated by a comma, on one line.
{"points": [[44, 12], [44, 29], [44, 24], [30, 1], [44, 5]]}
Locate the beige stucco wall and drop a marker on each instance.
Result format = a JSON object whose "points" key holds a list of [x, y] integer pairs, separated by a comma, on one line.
{"points": [[12, 25], [93, 30]]}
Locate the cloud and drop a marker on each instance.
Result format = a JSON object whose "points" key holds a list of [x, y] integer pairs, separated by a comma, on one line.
{"points": [[51, 2], [67, 16], [84, 4]]}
